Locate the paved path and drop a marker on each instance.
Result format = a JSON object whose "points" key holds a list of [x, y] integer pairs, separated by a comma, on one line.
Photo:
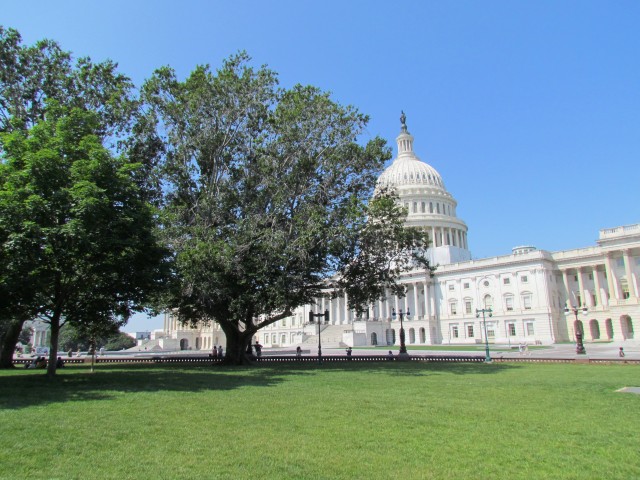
{"points": [[594, 350]]}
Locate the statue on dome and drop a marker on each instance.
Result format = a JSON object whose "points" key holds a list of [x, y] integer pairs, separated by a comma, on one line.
{"points": [[403, 120]]}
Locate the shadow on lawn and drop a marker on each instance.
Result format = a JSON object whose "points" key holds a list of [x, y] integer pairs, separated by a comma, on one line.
{"points": [[77, 383]]}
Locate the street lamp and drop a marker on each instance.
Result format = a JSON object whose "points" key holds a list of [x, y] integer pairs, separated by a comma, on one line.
{"points": [[580, 350], [487, 357], [311, 321], [403, 347]]}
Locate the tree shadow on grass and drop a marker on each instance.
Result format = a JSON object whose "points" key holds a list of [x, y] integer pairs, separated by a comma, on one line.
{"points": [[78, 383], [415, 368]]}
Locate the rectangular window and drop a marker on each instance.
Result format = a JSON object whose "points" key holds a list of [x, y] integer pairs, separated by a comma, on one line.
{"points": [[465, 285], [467, 306], [452, 287], [620, 262], [530, 330], [525, 279], [284, 322], [506, 281], [415, 207], [453, 308], [526, 302], [509, 303], [491, 333], [591, 276], [454, 331], [512, 329], [470, 331]]}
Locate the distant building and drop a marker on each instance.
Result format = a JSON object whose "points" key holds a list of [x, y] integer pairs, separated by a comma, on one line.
{"points": [[536, 296]]}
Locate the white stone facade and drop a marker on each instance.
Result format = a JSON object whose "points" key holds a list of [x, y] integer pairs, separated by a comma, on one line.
{"points": [[527, 290]]}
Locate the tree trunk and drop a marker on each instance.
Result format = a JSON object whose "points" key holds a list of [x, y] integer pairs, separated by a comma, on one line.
{"points": [[237, 343], [53, 347], [9, 342]]}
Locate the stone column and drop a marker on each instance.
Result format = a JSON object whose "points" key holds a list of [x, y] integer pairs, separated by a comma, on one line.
{"points": [[580, 288], [416, 301], [627, 271], [596, 281], [433, 237], [565, 280], [611, 278], [427, 313]]}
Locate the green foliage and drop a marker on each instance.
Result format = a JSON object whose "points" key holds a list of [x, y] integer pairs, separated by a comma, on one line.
{"points": [[75, 223], [74, 338], [120, 341], [344, 421], [25, 335], [31, 77], [268, 197]]}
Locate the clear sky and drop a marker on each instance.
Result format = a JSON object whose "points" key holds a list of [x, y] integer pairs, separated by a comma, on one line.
{"points": [[530, 110]]}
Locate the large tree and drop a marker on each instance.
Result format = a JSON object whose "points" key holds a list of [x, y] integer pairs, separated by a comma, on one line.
{"points": [[269, 199], [75, 224], [32, 79]]}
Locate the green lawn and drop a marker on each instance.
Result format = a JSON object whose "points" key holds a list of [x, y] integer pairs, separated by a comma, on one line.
{"points": [[340, 421]]}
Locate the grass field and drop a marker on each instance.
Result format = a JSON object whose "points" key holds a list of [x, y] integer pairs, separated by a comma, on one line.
{"points": [[340, 421]]}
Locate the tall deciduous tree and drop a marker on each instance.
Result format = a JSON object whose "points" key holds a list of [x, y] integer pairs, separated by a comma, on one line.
{"points": [[74, 222], [32, 78], [269, 199]]}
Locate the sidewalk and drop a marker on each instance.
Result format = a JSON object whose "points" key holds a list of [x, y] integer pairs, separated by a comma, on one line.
{"points": [[594, 350]]}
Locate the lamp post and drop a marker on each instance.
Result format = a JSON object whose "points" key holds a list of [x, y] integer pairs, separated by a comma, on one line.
{"points": [[311, 321], [487, 357], [580, 350], [401, 314]]}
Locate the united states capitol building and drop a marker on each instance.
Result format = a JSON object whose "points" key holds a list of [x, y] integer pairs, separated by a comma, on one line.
{"points": [[535, 296]]}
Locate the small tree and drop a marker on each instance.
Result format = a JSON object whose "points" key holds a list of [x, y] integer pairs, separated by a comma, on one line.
{"points": [[269, 200]]}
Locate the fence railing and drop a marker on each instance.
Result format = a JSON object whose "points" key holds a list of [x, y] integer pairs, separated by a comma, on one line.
{"points": [[202, 360]]}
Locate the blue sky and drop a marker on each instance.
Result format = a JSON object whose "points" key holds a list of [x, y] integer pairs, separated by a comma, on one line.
{"points": [[530, 110]]}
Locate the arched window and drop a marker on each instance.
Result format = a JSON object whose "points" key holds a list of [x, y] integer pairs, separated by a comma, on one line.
{"points": [[488, 301], [412, 335], [423, 336]]}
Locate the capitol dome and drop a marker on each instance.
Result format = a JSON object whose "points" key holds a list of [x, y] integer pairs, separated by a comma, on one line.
{"points": [[428, 204], [407, 169], [410, 171]]}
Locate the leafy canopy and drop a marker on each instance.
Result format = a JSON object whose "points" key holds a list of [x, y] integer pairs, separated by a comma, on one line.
{"points": [[268, 201]]}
